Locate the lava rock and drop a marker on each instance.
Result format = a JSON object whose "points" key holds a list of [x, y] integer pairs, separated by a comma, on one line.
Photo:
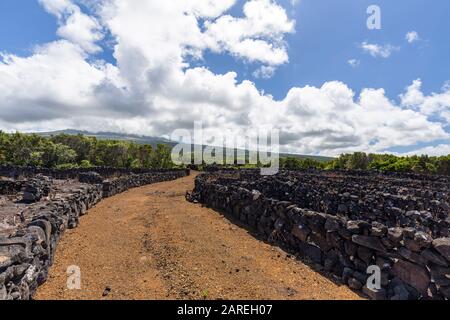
{"points": [[412, 274], [369, 242], [375, 294], [378, 229], [354, 284], [412, 256], [442, 245], [395, 235], [301, 232], [434, 257]]}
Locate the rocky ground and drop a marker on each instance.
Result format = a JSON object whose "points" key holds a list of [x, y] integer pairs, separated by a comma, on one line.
{"points": [[149, 243], [15, 210]]}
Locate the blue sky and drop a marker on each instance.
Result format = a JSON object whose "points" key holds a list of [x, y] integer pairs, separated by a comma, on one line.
{"points": [[327, 35]]}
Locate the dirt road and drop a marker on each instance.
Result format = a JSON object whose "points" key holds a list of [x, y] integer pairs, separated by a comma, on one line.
{"points": [[150, 243]]}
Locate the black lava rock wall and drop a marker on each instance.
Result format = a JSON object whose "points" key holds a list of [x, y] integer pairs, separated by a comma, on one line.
{"points": [[26, 256], [345, 223]]}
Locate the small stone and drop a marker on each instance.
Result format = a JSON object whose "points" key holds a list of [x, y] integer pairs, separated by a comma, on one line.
{"points": [[383, 264], [378, 229], [442, 245], [395, 235], [301, 232], [279, 224], [439, 272], [409, 232], [412, 256], [420, 241], [3, 293], [360, 276], [350, 248], [360, 265], [375, 294], [15, 295], [346, 274], [369, 242], [413, 214], [423, 239], [354, 284], [106, 292], [311, 251], [353, 227], [400, 293], [344, 233], [342, 208], [388, 244], [365, 254], [5, 261], [434, 257], [329, 264], [332, 224], [256, 195]]}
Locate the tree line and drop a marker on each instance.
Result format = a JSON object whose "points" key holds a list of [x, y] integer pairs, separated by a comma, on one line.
{"points": [[387, 162], [78, 151], [384, 162]]}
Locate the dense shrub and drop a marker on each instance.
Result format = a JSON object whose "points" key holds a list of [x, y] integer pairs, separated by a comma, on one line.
{"points": [[73, 151], [387, 162], [292, 163]]}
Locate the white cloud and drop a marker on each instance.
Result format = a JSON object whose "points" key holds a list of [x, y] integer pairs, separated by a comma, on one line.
{"points": [[59, 8], [55, 82], [258, 36], [413, 95], [412, 36], [152, 89], [74, 25], [377, 50], [439, 150], [354, 63], [264, 72], [435, 104]]}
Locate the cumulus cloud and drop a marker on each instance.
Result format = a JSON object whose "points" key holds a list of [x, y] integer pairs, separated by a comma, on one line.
{"points": [[412, 36], [152, 89], [258, 36], [74, 25], [264, 72], [435, 104], [377, 50]]}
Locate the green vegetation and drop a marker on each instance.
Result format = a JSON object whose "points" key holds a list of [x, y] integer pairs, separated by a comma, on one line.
{"points": [[79, 151], [291, 163], [386, 162]]}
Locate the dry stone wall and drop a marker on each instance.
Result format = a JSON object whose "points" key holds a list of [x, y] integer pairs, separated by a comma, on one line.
{"points": [[345, 222], [35, 211]]}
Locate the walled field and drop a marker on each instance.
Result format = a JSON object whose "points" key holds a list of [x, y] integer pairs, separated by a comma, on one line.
{"points": [[345, 222], [330, 227], [38, 205]]}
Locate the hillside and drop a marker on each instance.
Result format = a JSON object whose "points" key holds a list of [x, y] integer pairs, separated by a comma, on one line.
{"points": [[151, 140], [112, 136]]}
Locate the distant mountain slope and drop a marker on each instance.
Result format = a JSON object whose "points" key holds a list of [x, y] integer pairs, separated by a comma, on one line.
{"points": [[113, 136], [149, 140]]}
